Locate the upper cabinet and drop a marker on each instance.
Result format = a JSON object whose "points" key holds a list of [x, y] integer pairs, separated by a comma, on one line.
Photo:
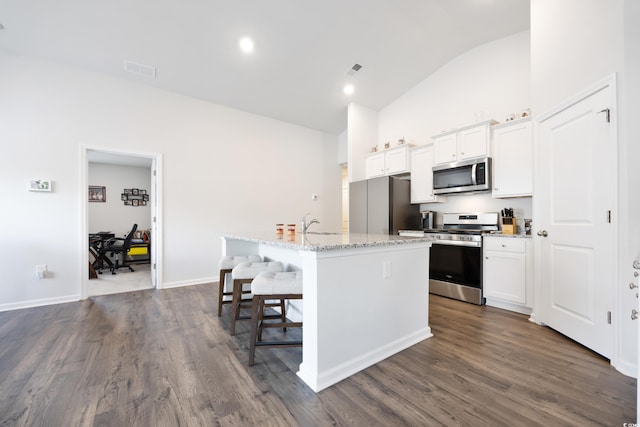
{"points": [[469, 142], [512, 148], [393, 161], [422, 176]]}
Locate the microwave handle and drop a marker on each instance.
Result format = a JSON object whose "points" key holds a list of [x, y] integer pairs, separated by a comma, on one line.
{"points": [[474, 181]]}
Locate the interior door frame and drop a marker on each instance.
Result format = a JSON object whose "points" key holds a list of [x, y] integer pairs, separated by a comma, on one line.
{"points": [[156, 212], [609, 81]]}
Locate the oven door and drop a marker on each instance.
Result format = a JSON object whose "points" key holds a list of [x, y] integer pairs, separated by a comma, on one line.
{"points": [[455, 270]]}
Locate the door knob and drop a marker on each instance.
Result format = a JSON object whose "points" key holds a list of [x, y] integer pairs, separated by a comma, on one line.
{"points": [[634, 314], [543, 233], [632, 285]]}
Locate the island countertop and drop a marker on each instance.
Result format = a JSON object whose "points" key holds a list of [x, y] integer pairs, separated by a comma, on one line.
{"points": [[366, 296], [321, 241]]}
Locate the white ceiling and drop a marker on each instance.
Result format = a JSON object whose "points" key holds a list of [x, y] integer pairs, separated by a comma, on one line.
{"points": [[303, 48]]}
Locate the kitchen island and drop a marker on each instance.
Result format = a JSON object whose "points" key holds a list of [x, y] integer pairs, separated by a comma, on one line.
{"points": [[365, 296]]}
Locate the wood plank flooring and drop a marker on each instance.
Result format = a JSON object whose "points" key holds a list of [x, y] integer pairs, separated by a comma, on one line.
{"points": [[163, 358]]}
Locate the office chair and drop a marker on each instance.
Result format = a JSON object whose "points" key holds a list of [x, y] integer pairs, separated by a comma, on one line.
{"points": [[118, 245]]}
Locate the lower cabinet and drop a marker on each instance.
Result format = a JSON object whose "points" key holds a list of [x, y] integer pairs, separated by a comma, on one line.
{"points": [[507, 273]]}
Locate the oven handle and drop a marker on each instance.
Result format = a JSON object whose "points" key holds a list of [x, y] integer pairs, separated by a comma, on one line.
{"points": [[458, 243]]}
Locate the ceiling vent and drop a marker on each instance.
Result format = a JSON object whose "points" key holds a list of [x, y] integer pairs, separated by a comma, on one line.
{"points": [[353, 70], [140, 69]]}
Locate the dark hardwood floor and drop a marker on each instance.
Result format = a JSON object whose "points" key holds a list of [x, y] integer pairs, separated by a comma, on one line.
{"points": [[164, 358]]}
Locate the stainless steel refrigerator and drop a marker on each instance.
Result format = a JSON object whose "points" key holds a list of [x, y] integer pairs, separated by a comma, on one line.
{"points": [[382, 206]]}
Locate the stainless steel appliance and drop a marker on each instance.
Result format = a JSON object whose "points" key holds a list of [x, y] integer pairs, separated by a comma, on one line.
{"points": [[427, 219], [462, 177], [455, 264], [382, 206]]}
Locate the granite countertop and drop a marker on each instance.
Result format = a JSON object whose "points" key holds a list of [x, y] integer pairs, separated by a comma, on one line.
{"points": [[325, 241], [512, 236]]}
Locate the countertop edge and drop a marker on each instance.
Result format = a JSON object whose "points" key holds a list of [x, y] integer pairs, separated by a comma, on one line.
{"points": [[297, 244]]}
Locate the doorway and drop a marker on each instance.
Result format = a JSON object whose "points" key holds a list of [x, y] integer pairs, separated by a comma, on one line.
{"points": [[129, 187]]}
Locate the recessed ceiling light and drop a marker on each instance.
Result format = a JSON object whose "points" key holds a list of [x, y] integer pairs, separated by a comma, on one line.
{"points": [[348, 89], [246, 44]]}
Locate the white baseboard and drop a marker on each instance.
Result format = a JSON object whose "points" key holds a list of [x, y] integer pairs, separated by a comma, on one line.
{"points": [[322, 380], [39, 302], [180, 284]]}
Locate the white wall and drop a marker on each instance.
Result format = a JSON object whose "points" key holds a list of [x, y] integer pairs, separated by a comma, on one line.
{"points": [[493, 79], [113, 215], [362, 135], [224, 170], [575, 44]]}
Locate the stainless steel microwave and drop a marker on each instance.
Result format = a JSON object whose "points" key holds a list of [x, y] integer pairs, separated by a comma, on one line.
{"points": [[466, 176]]}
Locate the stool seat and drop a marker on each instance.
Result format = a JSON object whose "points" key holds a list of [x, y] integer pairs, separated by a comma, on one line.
{"points": [[230, 261], [226, 265], [249, 270], [269, 285], [242, 274]]}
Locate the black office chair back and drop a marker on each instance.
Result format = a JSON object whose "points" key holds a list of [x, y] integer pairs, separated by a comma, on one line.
{"points": [[127, 240]]}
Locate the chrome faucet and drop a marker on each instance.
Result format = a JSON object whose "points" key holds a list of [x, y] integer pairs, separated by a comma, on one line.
{"points": [[305, 225]]}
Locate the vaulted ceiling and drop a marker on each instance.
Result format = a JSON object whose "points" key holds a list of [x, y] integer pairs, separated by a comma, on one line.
{"points": [[303, 52]]}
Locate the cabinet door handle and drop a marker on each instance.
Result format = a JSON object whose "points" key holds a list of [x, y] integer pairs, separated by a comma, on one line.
{"points": [[634, 314]]}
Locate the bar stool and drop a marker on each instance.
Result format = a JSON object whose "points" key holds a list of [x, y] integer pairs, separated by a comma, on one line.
{"points": [[226, 265], [244, 273], [270, 286]]}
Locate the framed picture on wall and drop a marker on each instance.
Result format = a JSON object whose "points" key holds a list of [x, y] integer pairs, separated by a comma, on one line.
{"points": [[135, 202], [134, 191], [97, 193]]}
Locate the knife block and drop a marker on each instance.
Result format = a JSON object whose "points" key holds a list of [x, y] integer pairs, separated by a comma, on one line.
{"points": [[508, 225]]}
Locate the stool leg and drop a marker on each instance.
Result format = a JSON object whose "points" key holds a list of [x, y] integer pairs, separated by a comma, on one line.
{"points": [[223, 275], [261, 302], [237, 299], [255, 318], [283, 314]]}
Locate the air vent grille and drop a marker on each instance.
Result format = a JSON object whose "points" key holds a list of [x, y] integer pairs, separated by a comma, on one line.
{"points": [[140, 69], [353, 70]]}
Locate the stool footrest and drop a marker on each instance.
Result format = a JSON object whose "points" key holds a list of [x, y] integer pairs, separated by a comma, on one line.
{"points": [[279, 343]]}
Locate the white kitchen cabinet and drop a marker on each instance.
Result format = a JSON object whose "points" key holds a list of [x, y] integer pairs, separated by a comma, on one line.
{"points": [[374, 165], [512, 148], [445, 148], [390, 162], [422, 176], [469, 142], [507, 273]]}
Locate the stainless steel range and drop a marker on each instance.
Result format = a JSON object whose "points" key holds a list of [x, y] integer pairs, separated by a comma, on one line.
{"points": [[455, 265]]}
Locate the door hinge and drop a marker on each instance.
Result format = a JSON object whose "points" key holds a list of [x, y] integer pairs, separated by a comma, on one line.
{"points": [[154, 172], [608, 113], [154, 267], [608, 313], [609, 216], [154, 219]]}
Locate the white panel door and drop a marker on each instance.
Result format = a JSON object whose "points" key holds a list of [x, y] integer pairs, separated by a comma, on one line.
{"points": [[575, 191]]}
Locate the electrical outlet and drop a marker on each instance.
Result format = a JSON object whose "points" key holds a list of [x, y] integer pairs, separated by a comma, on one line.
{"points": [[386, 270], [41, 271]]}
